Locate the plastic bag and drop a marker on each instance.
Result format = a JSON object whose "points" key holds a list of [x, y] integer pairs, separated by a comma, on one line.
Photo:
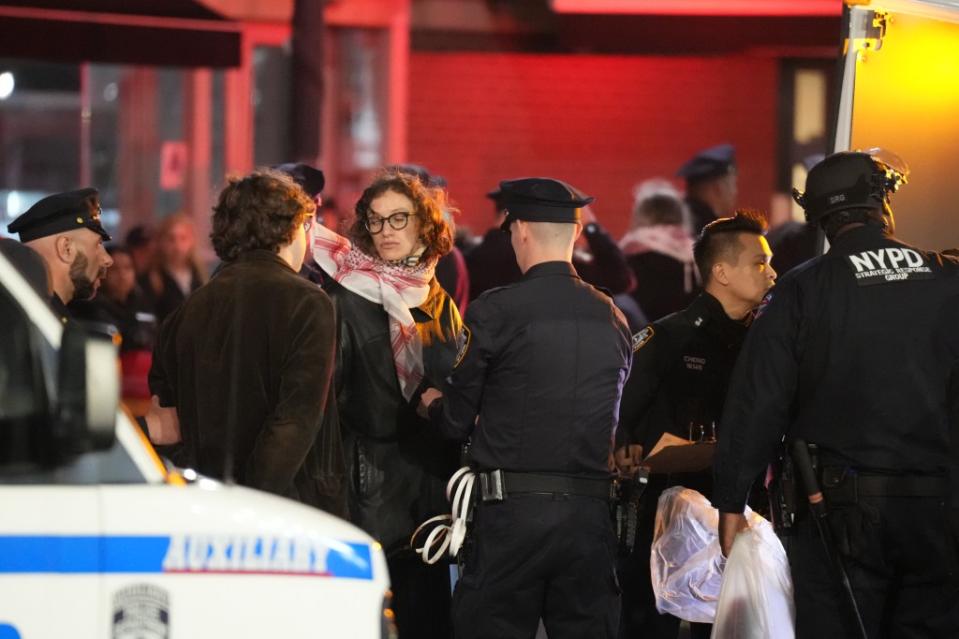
{"points": [[756, 600], [685, 562], [749, 595]]}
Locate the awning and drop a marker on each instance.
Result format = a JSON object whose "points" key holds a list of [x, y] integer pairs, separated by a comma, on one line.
{"points": [[150, 32]]}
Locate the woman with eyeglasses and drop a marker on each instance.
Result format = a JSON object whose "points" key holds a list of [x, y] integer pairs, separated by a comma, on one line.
{"points": [[399, 333]]}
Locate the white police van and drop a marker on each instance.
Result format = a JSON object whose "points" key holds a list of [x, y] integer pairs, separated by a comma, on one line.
{"points": [[99, 539]]}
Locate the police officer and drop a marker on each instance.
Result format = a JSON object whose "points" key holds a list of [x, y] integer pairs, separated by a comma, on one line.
{"points": [[681, 366], [711, 184], [543, 370], [65, 230], [846, 355]]}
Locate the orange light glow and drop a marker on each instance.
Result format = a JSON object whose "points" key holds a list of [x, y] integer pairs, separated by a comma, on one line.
{"points": [[906, 100]]}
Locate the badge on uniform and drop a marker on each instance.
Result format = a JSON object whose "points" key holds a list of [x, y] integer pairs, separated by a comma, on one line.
{"points": [[891, 264], [462, 345], [641, 338]]}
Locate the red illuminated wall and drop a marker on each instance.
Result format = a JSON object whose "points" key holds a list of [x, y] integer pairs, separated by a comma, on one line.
{"points": [[603, 123]]}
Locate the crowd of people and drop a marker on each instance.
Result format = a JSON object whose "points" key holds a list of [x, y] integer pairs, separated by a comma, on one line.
{"points": [[355, 371], [650, 271]]}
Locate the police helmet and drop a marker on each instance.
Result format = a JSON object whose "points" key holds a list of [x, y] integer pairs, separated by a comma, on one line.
{"points": [[851, 180]]}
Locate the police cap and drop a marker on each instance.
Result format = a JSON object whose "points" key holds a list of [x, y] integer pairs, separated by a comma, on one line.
{"points": [[59, 213], [851, 180], [540, 200], [714, 162], [311, 180]]}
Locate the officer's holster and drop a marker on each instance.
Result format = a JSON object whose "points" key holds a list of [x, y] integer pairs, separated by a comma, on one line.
{"points": [[785, 499]]}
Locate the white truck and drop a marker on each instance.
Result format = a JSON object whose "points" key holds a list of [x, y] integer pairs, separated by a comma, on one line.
{"points": [[99, 539]]}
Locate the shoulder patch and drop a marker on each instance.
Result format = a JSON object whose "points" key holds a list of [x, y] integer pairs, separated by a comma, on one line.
{"points": [[463, 345], [641, 338]]}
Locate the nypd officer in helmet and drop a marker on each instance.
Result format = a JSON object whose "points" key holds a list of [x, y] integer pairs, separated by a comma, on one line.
{"points": [[543, 371], [65, 230], [848, 354]]}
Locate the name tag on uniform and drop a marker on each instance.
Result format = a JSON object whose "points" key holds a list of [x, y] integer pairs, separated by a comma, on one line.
{"points": [[888, 265]]}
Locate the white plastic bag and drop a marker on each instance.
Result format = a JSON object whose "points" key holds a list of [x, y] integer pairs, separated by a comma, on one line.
{"points": [[685, 562], [750, 595], [756, 600]]}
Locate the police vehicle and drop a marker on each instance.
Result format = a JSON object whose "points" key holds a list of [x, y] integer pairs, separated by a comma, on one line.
{"points": [[99, 539]]}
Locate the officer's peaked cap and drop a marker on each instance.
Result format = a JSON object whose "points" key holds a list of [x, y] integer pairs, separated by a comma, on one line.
{"points": [[540, 200], [850, 180], [707, 164], [59, 213]]}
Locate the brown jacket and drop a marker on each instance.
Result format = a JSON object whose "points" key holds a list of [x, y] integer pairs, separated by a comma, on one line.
{"points": [[254, 349]]}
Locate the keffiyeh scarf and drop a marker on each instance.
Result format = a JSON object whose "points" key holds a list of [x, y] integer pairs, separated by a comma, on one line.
{"points": [[667, 239], [396, 287]]}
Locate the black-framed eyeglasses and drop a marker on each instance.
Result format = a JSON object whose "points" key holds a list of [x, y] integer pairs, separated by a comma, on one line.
{"points": [[398, 222]]}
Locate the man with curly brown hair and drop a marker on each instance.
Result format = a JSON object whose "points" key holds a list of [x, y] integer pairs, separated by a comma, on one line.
{"points": [[242, 369]]}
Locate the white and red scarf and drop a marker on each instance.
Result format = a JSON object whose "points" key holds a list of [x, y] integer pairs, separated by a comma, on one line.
{"points": [[668, 239], [396, 287]]}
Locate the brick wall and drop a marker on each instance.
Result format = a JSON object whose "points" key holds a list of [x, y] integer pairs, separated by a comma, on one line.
{"points": [[601, 122]]}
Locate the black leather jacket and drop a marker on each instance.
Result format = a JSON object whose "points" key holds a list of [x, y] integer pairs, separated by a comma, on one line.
{"points": [[397, 471]]}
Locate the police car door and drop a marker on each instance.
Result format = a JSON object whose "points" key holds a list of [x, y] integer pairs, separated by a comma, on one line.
{"points": [[49, 560], [53, 550]]}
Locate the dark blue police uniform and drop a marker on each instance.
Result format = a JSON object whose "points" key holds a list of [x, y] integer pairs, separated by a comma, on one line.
{"points": [[853, 353], [537, 391], [681, 367]]}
